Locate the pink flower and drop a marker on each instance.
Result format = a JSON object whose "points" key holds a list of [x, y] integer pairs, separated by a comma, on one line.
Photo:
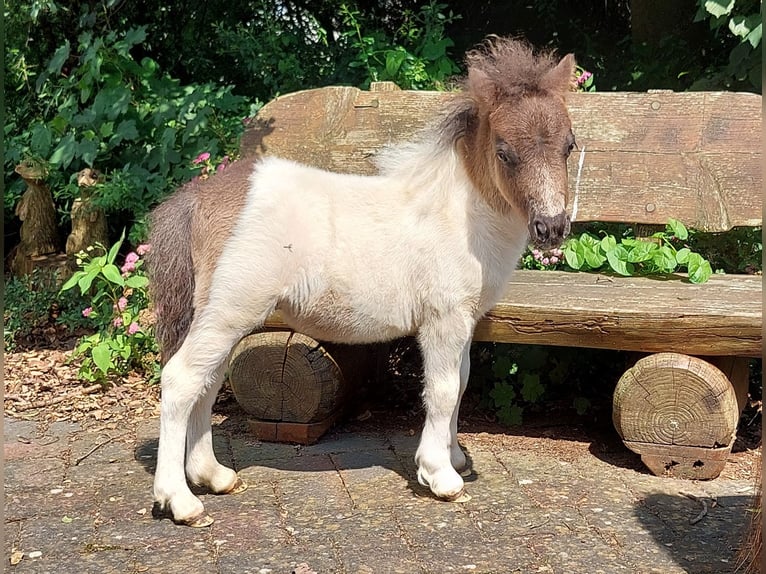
{"points": [[204, 156], [133, 328], [131, 257], [122, 303], [117, 322], [127, 268], [143, 249], [545, 261], [554, 260], [583, 78], [87, 311]]}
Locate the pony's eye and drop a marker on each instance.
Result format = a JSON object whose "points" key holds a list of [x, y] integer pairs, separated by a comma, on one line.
{"points": [[571, 146], [507, 156]]}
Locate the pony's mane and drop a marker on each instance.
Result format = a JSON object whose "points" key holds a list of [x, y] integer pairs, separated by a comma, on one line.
{"points": [[512, 66], [499, 68]]}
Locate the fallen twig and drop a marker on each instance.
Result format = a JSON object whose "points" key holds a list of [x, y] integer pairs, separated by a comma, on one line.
{"points": [[60, 399], [703, 512], [94, 449]]}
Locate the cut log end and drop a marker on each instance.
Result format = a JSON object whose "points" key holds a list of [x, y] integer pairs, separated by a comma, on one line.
{"points": [[285, 376], [679, 412]]}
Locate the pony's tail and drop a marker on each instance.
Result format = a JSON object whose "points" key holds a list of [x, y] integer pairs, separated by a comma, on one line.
{"points": [[171, 271]]}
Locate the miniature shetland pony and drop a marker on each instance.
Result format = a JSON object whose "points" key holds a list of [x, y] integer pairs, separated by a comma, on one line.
{"points": [[424, 248]]}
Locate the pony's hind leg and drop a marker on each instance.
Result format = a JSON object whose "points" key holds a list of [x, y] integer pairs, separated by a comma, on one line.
{"points": [[189, 380], [443, 344], [202, 466]]}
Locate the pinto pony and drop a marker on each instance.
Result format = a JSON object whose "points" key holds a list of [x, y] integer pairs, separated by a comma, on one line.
{"points": [[424, 248]]}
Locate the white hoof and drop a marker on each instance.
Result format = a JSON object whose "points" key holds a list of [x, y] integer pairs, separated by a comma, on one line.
{"points": [[185, 509], [445, 483]]}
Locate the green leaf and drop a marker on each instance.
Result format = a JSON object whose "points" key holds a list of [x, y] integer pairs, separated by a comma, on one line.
{"points": [[503, 366], [531, 389], [112, 274], [102, 356], [642, 251], [126, 129], [594, 257], [503, 394], [64, 153], [137, 282], [618, 261], [87, 279], [754, 37], [511, 415], [608, 243], [682, 255], [699, 268], [59, 58], [678, 229], [574, 254], [115, 248], [394, 60], [72, 281], [665, 259], [87, 150], [40, 143], [719, 8]]}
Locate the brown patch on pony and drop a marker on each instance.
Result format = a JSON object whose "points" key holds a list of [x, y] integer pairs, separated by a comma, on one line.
{"points": [[185, 252]]}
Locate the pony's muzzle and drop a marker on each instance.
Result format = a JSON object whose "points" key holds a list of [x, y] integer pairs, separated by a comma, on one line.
{"points": [[547, 232]]}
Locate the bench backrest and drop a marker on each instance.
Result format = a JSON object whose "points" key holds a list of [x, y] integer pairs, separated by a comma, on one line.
{"points": [[694, 156]]}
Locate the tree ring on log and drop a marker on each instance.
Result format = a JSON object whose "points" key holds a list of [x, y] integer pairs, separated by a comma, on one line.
{"points": [[285, 376], [676, 411]]}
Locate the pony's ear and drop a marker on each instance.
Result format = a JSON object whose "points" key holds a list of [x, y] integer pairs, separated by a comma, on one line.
{"points": [[485, 91], [562, 77]]}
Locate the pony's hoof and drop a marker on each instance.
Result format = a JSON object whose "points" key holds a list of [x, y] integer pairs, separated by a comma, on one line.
{"points": [[465, 472], [199, 521], [239, 486], [460, 497]]}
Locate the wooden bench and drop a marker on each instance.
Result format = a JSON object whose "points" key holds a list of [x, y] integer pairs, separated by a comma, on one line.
{"points": [[646, 157]]}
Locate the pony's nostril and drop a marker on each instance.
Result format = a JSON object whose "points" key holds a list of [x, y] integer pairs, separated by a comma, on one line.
{"points": [[541, 229]]}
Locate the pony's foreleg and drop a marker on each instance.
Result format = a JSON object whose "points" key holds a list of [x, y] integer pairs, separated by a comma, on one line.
{"points": [[457, 456], [443, 344], [202, 466]]}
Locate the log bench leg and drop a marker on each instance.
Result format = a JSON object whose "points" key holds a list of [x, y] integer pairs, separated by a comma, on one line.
{"points": [[293, 386], [680, 413]]}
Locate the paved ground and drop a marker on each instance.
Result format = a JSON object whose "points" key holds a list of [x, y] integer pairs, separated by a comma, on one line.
{"points": [[79, 501]]}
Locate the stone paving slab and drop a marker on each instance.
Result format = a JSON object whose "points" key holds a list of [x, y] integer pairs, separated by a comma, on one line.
{"points": [[79, 501]]}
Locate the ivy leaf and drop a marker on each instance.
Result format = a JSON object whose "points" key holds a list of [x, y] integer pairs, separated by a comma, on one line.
{"points": [[88, 149], [126, 129], [608, 243], [503, 366]]}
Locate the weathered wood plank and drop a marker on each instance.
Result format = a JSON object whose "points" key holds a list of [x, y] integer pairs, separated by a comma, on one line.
{"points": [[647, 156], [720, 317]]}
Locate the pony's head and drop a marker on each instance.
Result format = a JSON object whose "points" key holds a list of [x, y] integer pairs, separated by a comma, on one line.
{"points": [[519, 133]]}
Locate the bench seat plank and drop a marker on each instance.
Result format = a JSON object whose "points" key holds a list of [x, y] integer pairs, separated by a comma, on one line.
{"points": [[720, 317]]}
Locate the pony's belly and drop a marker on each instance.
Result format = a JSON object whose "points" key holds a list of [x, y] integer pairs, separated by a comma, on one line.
{"points": [[344, 326]]}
